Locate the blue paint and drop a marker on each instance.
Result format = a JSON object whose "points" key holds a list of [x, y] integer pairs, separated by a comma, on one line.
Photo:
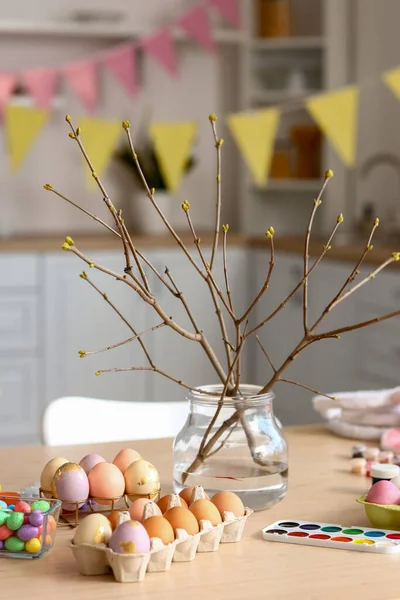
{"points": [[374, 534]]}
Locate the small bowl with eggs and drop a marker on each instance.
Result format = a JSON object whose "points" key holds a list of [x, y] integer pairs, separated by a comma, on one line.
{"points": [[382, 505]]}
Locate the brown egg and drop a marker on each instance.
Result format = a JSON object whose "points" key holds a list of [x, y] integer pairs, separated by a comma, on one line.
{"points": [[163, 503], [182, 518], [228, 502], [116, 518], [125, 458], [186, 495], [205, 510], [158, 527]]}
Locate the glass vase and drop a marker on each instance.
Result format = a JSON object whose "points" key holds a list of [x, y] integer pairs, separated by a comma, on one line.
{"points": [[234, 445]]}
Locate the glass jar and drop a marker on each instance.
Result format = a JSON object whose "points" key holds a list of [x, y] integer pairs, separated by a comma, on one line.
{"points": [[245, 450]]}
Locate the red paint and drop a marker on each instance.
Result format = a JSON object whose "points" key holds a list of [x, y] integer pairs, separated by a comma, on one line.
{"points": [[222, 477], [298, 534], [341, 539], [320, 536], [393, 536]]}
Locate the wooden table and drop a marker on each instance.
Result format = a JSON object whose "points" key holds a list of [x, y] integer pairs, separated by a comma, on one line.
{"points": [[320, 488]]}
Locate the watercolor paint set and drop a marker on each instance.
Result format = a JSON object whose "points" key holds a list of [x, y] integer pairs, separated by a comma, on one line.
{"points": [[328, 535]]}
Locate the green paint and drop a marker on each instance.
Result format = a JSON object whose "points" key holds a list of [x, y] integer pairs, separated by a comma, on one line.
{"points": [[353, 531], [331, 529]]}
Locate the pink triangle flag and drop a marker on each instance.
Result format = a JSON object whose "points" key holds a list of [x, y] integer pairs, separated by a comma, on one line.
{"points": [[41, 84], [229, 9], [7, 83], [197, 24], [161, 47], [122, 64], [82, 77]]}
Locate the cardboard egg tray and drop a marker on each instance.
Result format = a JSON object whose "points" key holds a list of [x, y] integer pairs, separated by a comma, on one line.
{"points": [[99, 559]]}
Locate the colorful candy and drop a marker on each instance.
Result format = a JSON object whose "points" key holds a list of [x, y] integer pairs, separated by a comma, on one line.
{"points": [[21, 529]]}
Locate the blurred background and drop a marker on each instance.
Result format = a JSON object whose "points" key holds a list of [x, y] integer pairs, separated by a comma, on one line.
{"points": [[270, 53]]}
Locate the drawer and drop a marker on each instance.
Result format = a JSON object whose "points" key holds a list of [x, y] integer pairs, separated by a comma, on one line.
{"points": [[18, 401], [18, 321], [18, 271]]}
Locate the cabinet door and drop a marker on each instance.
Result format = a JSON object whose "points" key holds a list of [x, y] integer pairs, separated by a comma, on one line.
{"points": [[280, 336], [173, 353], [76, 318], [19, 410]]}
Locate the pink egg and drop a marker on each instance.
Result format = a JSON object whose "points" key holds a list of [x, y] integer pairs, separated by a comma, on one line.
{"points": [[383, 492], [71, 485], [89, 461], [137, 507], [130, 538]]}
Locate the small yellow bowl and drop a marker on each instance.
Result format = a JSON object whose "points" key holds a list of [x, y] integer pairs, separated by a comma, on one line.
{"points": [[382, 516]]}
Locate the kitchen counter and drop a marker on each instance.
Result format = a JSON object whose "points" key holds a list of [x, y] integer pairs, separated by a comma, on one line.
{"points": [[345, 251]]}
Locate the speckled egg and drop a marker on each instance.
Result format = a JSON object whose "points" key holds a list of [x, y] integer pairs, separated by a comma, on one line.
{"points": [[106, 483], [71, 485], [93, 529], [126, 457], [89, 461], [130, 538], [47, 476], [142, 479]]}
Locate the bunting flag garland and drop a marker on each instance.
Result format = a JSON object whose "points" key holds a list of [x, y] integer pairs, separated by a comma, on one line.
{"points": [[122, 64], [197, 24], [392, 80], [336, 113], [82, 78], [41, 84], [100, 137], [229, 9], [172, 145], [254, 134], [161, 47], [7, 83], [23, 125]]}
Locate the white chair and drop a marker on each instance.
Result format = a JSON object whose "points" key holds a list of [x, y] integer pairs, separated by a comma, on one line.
{"points": [[73, 420]]}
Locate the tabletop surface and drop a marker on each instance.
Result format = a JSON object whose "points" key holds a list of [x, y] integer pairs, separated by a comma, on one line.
{"points": [[320, 489]]}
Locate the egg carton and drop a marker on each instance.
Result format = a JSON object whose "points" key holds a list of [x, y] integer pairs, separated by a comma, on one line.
{"points": [[99, 560]]}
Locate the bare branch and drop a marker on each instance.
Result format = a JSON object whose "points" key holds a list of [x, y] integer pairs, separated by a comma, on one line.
{"points": [[181, 297], [310, 389], [265, 354], [84, 353], [361, 325], [154, 369], [225, 229], [218, 144]]}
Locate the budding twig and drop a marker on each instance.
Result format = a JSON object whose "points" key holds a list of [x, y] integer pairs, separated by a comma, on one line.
{"points": [[218, 144], [310, 389], [84, 353]]}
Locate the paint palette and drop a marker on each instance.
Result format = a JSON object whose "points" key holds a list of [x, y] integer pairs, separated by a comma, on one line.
{"points": [[328, 535]]}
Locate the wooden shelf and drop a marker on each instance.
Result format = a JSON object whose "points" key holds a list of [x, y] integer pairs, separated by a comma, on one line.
{"points": [[102, 30], [289, 43], [291, 185]]}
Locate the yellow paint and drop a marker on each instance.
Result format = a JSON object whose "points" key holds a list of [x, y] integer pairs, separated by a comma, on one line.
{"points": [[99, 137], [255, 134], [172, 145], [336, 113], [363, 541], [22, 127]]}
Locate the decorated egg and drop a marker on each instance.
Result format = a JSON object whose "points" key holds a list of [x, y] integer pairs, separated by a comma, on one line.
{"points": [[383, 492], [71, 485], [159, 527], [182, 518], [163, 502], [228, 502], [48, 473], [142, 479], [137, 507], [106, 483], [130, 538], [89, 461], [125, 458], [205, 510], [93, 529]]}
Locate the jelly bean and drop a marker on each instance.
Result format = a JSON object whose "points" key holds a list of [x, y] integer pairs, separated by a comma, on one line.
{"points": [[15, 520], [33, 546], [14, 544], [1, 544], [27, 532], [5, 532], [23, 507], [40, 505], [49, 540], [3, 504], [36, 518], [3, 516], [40, 530], [26, 518], [51, 524], [11, 506]]}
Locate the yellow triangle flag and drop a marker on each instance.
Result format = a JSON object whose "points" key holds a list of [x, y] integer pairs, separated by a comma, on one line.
{"points": [[22, 125], [172, 145], [392, 80], [336, 113], [99, 137], [255, 134]]}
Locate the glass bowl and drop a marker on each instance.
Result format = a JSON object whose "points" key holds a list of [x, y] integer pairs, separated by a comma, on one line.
{"points": [[46, 534], [382, 516]]}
